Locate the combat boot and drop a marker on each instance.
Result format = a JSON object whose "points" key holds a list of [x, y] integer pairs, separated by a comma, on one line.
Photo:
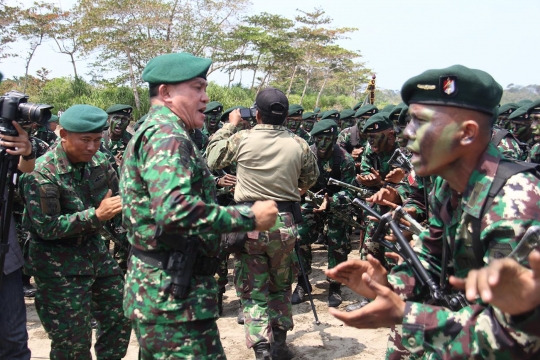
{"points": [[262, 351], [240, 318], [278, 346], [358, 305], [300, 292], [220, 301], [334, 295]]}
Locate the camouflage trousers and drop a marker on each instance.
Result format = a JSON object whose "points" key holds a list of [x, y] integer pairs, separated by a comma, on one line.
{"points": [[263, 276], [339, 242], [65, 306], [186, 340]]}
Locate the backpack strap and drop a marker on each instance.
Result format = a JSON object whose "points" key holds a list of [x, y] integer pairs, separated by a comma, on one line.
{"points": [[498, 136], [505, 171]]}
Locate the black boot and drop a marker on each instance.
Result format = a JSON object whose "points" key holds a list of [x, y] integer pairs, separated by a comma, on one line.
{"points": [[280, 350], [358, 305], [299, 294], [220, 301], [262, 351], [334, 295], [240, 318]]}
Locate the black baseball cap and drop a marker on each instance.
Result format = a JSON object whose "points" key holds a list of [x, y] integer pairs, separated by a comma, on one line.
{"points": [[272, 103]]}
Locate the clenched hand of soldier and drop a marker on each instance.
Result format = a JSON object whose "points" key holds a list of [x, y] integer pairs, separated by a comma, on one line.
{"points": [[109, 207], [357, 152], [325, 205], [266, 213], [227, 180], [505, 284]]}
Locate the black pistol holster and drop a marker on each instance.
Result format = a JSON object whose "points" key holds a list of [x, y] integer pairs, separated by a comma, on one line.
{"points": [[182, 263]]}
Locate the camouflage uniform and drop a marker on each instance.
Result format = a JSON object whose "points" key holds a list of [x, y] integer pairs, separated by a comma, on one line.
{"points": [[116, 147], [179, 199], [534, 153], [508, 146], [304, 135], [476, 331], [348, 141], [76, 277], [265, 270], [339, 242], [43, 133]]}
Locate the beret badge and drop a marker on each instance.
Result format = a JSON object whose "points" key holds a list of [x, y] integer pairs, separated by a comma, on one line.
{"points": [[448, 85]]}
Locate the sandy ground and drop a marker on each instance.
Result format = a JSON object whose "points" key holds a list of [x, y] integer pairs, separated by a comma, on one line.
{"points": [[329, 340]]}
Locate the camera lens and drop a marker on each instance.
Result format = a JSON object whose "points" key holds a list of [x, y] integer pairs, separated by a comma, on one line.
{"points": [[35, 113]]}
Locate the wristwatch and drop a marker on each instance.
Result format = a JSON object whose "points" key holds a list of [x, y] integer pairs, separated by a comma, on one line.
{"points": [[31, 156]]}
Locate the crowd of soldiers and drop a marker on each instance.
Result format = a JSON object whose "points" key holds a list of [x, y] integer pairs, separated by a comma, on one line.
{"points": [[125, 231]]}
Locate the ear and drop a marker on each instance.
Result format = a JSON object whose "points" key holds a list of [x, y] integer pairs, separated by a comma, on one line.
{"points": [[63, 133], [164, 93], [470, 131]]}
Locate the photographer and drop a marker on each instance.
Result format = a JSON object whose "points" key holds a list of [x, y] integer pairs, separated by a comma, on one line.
{"points": [[13, 334]]}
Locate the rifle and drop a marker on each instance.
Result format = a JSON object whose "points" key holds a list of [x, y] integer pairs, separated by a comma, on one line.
{"points": [[453, 301], [414, 227], [296, 248], [340, 213], [399, 160], [361, 193]]}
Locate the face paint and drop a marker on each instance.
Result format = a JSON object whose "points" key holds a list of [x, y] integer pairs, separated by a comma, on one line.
{"points": [[212, 121], [431, 139], [521, 129], [118, 123], [308, 125], [377, 141], [324, 144], [535, 127], [402, 141], [348, 123], [293, 123]]}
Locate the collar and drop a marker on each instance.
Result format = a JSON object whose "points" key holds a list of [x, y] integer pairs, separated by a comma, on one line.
{"points": [[269, 127], [480, 181], [159, 114]]}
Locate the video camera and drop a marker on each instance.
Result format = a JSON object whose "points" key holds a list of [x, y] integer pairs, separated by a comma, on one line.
{"points": [[14, 105], [249, 114]]}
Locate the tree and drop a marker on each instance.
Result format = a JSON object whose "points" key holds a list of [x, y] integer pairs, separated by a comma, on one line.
{"points": [[8, 19], [67, 35]]}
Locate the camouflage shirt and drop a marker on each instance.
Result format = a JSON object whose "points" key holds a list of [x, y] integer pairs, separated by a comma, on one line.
{"points": [[116, 146], [508, 146], [46, 135], [61, 200], [350, 138], [477, 330], [166, 184], [534, 153], [304, 135]]}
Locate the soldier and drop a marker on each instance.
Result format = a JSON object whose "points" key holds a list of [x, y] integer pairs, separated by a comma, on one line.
{"points": [[212, 121], [68, 198], [53, 122], [503, 138], [294, 122], [524, 124], [173, 221], [13, 333], [308, 120], [504, 112], [347, 119], [43, 132], [116, 137], [352, 139], [332, 115], [272, 164], [333, 162], [449, 135]]}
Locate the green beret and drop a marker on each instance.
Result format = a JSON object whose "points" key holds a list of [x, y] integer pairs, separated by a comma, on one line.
{"points": [[225, 116], [326, 126], [395, 113], [507, 108], [346, 114], [124, 109], [330, 114], [456, 86], [377, 122], [358, 105], [308, 115], [175, 68], [366, 110], [524, 112], [84, 119], [524, 102], [53, 119], [214, 107], [388, 108], [317, 110], [295, 110]]}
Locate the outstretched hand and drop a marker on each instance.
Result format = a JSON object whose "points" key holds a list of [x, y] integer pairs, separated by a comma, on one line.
{"points": [[386, 310]]}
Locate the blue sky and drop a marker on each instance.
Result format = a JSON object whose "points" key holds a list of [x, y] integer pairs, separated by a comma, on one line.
{"points": [[397, 38]]}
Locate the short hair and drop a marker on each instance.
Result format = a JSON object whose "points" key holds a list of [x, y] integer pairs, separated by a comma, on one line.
{"points": [[272, 119], [153, 90]]}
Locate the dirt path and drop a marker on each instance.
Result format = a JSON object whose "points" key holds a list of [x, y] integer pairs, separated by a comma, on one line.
{"points": [[329, 340]]}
